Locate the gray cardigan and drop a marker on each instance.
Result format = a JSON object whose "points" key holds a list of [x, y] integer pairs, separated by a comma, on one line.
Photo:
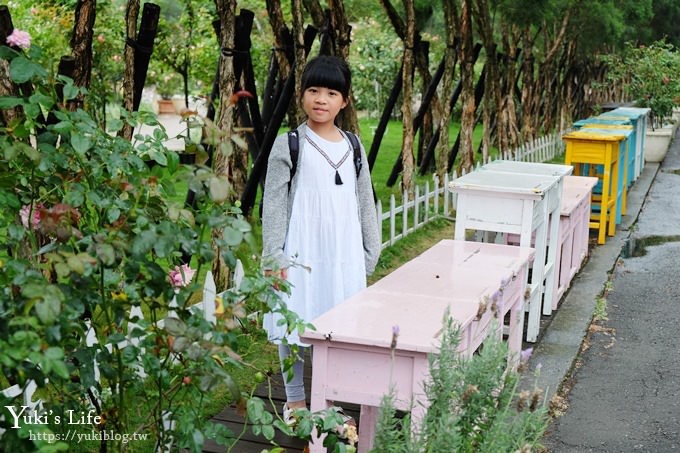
{"points": [[278, 203]]}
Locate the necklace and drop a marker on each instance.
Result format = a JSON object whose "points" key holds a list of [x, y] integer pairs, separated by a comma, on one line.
{"points": [[338, 180]]}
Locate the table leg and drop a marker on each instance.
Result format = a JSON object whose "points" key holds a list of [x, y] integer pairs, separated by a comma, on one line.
{"points": [[613, 185], [552, 267], [368, 419], [318, 399], [537, 273]]}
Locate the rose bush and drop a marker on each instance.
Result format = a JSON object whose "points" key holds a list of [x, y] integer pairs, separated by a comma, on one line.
{"points": [[649, 74], [92, 237]]}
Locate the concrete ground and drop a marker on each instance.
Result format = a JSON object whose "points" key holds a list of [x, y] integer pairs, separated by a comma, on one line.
{"points": [[621, 392]]}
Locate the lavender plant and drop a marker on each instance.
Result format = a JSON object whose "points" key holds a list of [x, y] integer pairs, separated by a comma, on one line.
{"points": [[472, 405]]}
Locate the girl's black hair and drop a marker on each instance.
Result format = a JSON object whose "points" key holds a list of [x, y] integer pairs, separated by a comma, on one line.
{"points": [[327, 72]]}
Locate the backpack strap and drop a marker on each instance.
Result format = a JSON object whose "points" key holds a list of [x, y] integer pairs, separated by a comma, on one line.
{"points": [[294, 148], [354, 141]]}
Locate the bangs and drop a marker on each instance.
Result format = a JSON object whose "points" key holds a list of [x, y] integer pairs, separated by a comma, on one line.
{"points": [[327, 72]]}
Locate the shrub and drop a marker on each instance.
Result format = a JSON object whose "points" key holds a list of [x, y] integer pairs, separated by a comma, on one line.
{"points": [[650, 76], [472, 405]]}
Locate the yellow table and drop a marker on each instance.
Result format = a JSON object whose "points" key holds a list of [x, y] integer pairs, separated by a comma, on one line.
{"points": [[585, 147], [627, 165]]}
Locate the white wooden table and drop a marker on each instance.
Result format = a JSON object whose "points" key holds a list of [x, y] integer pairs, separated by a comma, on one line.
{"points": [[515, 203], [353, 360], [551, 270]]}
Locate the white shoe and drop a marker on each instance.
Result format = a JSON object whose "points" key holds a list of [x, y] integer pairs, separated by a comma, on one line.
{"points": [[289, 415]]}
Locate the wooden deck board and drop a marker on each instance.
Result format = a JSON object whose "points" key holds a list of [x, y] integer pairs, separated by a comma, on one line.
{"points": [[249, 443]]}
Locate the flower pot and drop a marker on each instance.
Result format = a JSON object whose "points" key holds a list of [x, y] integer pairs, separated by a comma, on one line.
{"points": [[166, 106], [657, 142]]}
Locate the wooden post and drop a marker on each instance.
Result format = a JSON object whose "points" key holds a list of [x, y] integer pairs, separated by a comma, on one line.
{"points": [[259, 170], [143, 49]]}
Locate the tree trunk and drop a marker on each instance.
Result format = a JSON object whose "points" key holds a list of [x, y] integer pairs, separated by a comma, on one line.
{"points": [[81, 41], [300, 57], [131, 15], [316, 12], [348, 116], [450, 19], [467, 120], [528, 100], [492, 93], [407, 182], [284, 49], [508, 110], [228, 160]]}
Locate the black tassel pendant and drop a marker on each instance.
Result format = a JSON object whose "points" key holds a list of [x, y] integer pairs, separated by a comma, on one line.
{"points": [[338, 181]]}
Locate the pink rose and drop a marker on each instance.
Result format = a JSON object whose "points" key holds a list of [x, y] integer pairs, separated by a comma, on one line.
{"points": [[20, 39], [25, 211], [181, 276]]}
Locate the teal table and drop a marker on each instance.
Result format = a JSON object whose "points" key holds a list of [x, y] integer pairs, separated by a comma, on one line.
{"points": [[638, 115], [633, 153], [621, 189]]}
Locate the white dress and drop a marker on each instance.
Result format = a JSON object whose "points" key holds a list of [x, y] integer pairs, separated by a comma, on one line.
{"points": [[324, 237]]}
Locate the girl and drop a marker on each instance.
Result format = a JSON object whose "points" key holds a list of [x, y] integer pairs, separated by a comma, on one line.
{"points": [[324, 219]]}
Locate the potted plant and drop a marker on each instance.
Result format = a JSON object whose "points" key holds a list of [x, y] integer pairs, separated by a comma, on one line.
{"points": [[167, 86], [649, 74]]}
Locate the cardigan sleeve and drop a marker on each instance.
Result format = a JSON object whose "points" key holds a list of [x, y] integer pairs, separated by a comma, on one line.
{"points": [[275, 205], [370, 227]]}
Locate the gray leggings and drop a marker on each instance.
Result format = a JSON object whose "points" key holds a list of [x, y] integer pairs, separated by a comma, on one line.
{"points": [[295, 388]]}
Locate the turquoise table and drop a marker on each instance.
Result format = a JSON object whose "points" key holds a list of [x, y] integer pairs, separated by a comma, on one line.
{"points": [[621, 189], [638, 115]]}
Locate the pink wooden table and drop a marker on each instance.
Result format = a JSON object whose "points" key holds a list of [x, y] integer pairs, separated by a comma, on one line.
{"points": [[352, 360], [573, 230]]}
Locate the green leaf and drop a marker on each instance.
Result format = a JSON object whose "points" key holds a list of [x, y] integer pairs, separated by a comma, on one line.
{"points": [[21, 69], [80, 143], [29, 151], [113, 214], [232, 237], [7, 53], [54, 353], [175, 327], [181, 344], [76, 264], [268, 432], [219, 189], [8, 102], [49, 308], [45, 101], [106, 253], [70, 91], [114, 125], [63, 127], [198, 437]]}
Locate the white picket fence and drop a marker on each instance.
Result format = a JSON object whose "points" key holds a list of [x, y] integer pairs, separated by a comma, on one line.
{"points": [[437, 202]]}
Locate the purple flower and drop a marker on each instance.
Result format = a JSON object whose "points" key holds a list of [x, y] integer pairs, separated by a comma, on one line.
{"points": [[395, 334], [20, 39], [525, 355]]}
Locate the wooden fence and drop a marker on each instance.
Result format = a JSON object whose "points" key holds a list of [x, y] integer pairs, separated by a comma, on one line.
{"points": [[435, 202]]}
